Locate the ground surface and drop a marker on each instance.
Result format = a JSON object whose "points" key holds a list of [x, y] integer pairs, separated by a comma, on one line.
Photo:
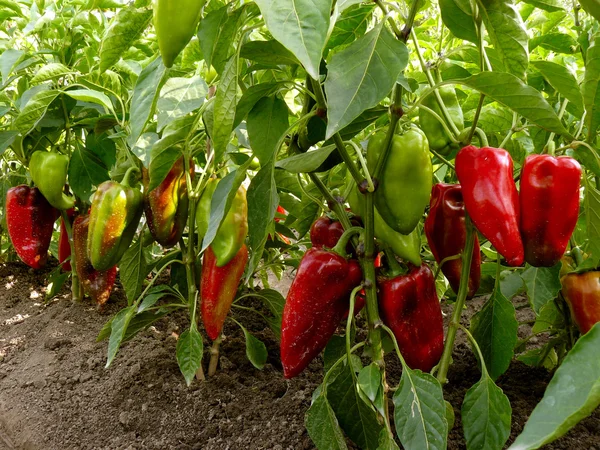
{"points": [[56, 394]]}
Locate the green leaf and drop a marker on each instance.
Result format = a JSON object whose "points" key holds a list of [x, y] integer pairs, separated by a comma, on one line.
{"points": [[306, 162], [546, 5], [592, 7], [86, 170], [301, 26], [256, 351], [35, 110], [457, 15], [549, 318], [542, 285], [161, 162], [266, 124], [369, 381], [190, 349], [386, 441], [179, 97], [508, 90], [572, 394], [275, 303], [250, 97], [209, 29], [362, 75], [268, 53], [591, 88], [118, 328], [224, 110], [145, 95], [90, 96], [357, 419], [556, 42], [495, 329], [50, 71], [6, 139], [561, 79], [507, 34], [124, 29], [8, 60], [486, 415], [154, 294], [133, 270], [592, 215], [420, 411], [350, 26], [322, 425]]}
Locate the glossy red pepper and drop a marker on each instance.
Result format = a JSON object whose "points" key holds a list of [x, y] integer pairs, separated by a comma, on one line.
{"points": [[549, 207], [582, 294], [446, 233], [491, 198], [30, 221], [218, 286], [316, 302], [409, 305], [64, 246], [326, 232], [98, 284]]}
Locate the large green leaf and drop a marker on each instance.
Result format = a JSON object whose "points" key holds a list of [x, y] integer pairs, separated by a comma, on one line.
{"points": [[561, 79], [542, 285], [179, 97], [322, 425], [591, 89], [224, 109], [189, 353], [34, 110], [458, 17], [362, 75], [266, 124]]}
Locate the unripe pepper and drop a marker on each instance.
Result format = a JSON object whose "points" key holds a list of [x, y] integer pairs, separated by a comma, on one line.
{"points": [[167, 205], [582, 293], [491, 198], [234, 228], [30, 221], [64, 246], [114, 217], [409, 305], [316, 302], [549, 207], [407, 247], [218, 286], [97, 284], [436, 136], [405, 181], [175, 22], [446, 233], [49, 173]]}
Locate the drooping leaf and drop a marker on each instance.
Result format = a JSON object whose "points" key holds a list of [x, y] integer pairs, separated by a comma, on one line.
{"points": [[322, 425], [542, 285], [189, 353], [591, 88], [562, 80], [224, 108]]}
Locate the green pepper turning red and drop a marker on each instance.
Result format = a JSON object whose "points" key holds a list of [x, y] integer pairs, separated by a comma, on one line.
{"points": [[114, 217], [582, 293], [436, 135], [409, 305], [30, 221], [405, 181], [446, 233], [166, 206], [491, 198], [49, 173], [549, 207]]}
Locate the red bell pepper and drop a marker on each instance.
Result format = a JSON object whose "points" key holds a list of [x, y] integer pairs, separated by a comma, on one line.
{"points": [[218, 286], [98, 284], [582, 293], [409, 305], [316, 302], [491, 198], [30, 221], [549, 207], [447, 233], [326, 232], [64, 246]]}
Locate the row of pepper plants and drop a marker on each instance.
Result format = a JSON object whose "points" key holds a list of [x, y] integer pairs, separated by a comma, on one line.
{"points": [[390, 154]]}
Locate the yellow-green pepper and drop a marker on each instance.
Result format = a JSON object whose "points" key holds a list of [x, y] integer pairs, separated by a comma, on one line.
{"points": [[433, 129], [49, 173]]}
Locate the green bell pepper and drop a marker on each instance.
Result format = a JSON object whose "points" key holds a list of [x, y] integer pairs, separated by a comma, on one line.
{"points": [[405, 181], [436, 135], [49, 173]]}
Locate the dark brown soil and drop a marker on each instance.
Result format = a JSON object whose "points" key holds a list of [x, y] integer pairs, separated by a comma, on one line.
{"points": [[56, 394]]}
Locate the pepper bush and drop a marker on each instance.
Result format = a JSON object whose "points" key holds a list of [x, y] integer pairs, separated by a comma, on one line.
{"points": [[282, 98]]}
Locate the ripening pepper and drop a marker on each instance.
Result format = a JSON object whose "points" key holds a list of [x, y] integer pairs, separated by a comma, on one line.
{"points": [[491, 198], [326, 232], [316, 302], [409, 305], [549, 207], [218, 286], [436, 136], [175, 22], [405, 181], [96, 283], [234, 228], [115, 214], [49, 173], [30, 221], [582, 293], [446, 233], [64, 246], [167, 205], [407, 247]]}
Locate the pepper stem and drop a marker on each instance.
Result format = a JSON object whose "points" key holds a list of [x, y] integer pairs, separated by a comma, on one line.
{"points": [[128, 178], [340, 247], [395, 268]]}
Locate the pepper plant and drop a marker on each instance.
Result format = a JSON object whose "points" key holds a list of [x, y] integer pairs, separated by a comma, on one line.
{"points": [[192, 146]]}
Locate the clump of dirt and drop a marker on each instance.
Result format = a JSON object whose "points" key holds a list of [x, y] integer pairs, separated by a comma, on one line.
{"points": [[56, 393]]}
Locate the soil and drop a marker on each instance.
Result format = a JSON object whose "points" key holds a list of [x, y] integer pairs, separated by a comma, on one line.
{"points": [[56, 394]]}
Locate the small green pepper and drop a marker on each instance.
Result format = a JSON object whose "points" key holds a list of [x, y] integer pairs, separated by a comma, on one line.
{"points": [[433, 129], [49, 173]]}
